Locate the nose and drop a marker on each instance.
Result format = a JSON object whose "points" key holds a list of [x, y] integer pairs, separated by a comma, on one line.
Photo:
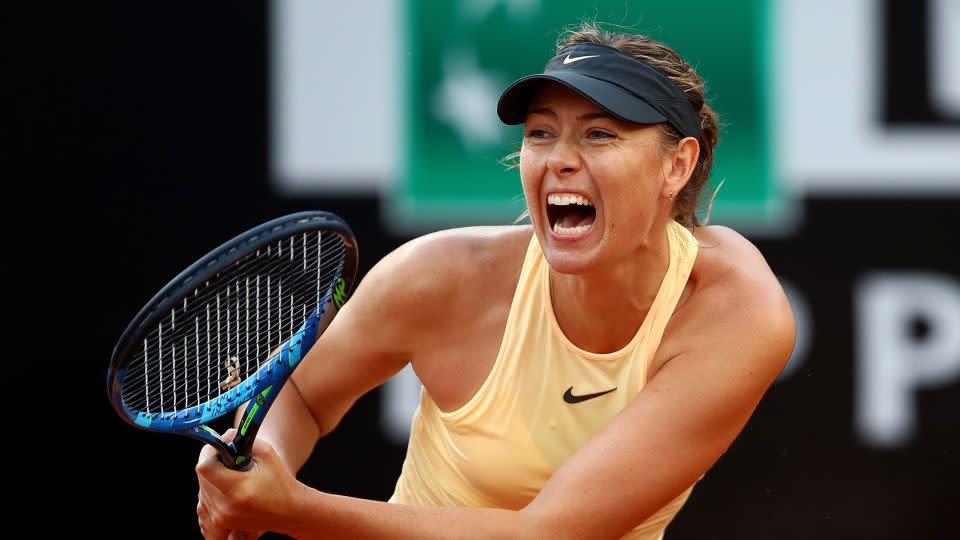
{"points": [[564, 159]]}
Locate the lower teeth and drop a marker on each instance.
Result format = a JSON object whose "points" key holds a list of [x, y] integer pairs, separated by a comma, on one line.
{"points": [[557, 228]]}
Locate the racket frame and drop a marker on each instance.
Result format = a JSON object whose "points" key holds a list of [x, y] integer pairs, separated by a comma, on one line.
{"points": [[260, 389]]}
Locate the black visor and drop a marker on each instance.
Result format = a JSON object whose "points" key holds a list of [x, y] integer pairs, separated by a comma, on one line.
{"points": [[618, 83]]}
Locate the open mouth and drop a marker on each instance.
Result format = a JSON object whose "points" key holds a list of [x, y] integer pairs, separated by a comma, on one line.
{"points": [[570, 213]]}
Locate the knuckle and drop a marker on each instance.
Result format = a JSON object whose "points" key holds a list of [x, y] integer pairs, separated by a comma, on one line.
{"points": [[242, 499], [218, 521]]}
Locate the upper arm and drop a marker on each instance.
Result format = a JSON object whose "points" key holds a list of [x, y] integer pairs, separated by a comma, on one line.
{"points": [[678, 425], [374, 334]]}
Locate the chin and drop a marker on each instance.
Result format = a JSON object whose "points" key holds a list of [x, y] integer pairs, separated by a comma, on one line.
{"points": [[566, 262]]}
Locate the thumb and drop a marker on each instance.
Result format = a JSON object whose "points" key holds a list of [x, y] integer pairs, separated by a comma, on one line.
{"points": [[229, 435]]}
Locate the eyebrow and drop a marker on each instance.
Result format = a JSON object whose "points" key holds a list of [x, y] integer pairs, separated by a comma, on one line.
{"points": [[595, 115], [547, 111]]}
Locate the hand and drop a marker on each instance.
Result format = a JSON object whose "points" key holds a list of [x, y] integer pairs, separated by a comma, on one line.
{"points": [[252, 500]]}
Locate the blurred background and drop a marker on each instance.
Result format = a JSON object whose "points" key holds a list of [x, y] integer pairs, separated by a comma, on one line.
{"points": [[156, 131]]}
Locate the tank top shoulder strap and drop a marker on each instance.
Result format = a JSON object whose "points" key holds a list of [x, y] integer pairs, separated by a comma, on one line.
{"points": [[524, 306], [683, 253]]}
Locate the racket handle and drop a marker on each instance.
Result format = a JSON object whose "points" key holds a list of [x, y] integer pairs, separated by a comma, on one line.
{"points": [[230, 461]]}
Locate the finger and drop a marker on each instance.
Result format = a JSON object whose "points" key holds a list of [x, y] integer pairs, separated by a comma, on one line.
{"points": [[230, 434], [203, 516], [208, 457], [211, 533], [207, 529], [209, 491], [209, 505], [203, 529]]}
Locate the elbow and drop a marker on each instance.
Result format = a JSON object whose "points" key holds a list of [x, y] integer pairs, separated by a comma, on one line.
{"points": [[330, 418]]}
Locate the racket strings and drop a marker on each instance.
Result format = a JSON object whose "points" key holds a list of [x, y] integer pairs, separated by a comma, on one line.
{"points": [[278, 319], [232, 313], [264, 260], [164, 377], [221, 334], [292, 312]]}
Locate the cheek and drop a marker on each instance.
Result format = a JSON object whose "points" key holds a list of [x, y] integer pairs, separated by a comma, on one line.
{"points": [[531, 173], [628, 201]]}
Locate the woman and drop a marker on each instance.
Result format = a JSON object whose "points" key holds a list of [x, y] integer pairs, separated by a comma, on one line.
{"points": [[580, 374]]}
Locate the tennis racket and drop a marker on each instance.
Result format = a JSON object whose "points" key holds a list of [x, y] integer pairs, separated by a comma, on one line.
{"points": [[231, 329]]}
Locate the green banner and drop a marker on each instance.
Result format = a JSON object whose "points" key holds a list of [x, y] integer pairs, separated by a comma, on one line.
{"points": [[460, 55]]}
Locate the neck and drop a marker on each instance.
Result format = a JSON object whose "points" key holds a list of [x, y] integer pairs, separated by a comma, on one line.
{"points": [[602, 310]]}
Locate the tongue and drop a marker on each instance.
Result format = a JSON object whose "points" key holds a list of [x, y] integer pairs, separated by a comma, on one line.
{"points": [[577, 218]]}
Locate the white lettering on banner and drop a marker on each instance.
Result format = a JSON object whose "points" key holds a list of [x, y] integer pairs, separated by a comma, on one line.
{"points": [[892, 363], [801, 315], [827, 98], [401, 395], [944, 22]]}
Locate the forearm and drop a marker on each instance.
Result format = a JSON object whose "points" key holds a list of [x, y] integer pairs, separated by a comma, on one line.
{"points": [[321, 515], [288, 427]]}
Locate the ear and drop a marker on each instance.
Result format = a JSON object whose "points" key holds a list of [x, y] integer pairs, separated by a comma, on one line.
{"points": [[678, 166]]}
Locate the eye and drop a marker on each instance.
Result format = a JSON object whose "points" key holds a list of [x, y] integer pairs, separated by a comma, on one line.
{"points": [[537, 133], [600, 135]]}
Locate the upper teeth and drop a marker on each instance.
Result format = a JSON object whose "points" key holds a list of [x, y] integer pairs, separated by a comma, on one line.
{"points": [[563, 199]]}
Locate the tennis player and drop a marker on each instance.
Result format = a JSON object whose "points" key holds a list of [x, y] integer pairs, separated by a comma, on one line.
{"points": [[580, 374]]}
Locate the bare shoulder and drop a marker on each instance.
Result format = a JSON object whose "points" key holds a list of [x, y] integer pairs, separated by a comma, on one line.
{"points": [[437, 280], [424, 298], [464, 247], [735, 302], [731, 268], [443, 262]]}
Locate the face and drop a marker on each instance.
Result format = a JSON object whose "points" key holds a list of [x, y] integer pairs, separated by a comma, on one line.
{"points": [[594, 184]]}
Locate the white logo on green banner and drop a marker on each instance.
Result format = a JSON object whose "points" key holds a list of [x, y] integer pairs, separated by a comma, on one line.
{"points": [[461, 55]]}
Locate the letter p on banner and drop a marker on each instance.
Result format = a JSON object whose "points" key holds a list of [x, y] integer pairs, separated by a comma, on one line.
{"points": [[894, 360]]}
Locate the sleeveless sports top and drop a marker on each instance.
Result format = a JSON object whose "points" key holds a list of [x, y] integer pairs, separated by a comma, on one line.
{"points": [[499, 449]]}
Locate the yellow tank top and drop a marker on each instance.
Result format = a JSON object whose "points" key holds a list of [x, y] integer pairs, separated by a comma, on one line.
{"points": [[499, 449]]}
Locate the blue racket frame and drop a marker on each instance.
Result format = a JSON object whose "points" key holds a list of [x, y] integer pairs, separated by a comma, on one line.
{"points": [[260, 389]]}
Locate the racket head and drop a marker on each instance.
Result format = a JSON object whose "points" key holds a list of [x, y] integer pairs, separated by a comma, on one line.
{"points": [[312, 254]]}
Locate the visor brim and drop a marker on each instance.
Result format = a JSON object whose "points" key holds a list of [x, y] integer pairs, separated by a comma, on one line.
{"points": [[515, 100]]}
